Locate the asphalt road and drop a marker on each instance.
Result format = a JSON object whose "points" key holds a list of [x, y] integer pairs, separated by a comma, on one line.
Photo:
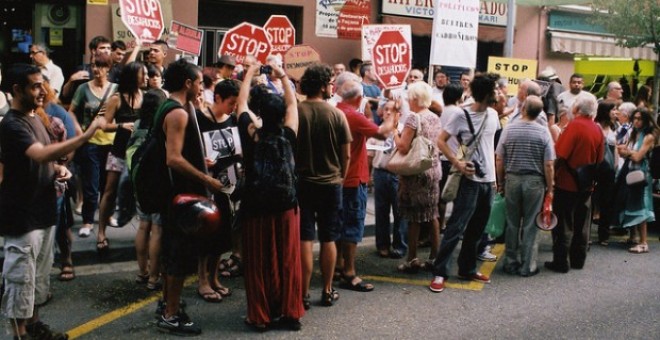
{"points": [[616, 296]]}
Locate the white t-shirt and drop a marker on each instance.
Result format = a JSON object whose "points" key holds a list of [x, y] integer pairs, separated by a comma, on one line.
{"points": [[448, 115], [437, 96], [567, 99], [484, 156]]}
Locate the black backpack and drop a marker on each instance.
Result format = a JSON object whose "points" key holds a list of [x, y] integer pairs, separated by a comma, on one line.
{"points": [[270, 184], [149, 173]]}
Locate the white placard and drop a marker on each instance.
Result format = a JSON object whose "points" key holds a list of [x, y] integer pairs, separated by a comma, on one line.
{"points": [[222, 143], [371, 32], [327, 14], [490, 13], [455, 32]]}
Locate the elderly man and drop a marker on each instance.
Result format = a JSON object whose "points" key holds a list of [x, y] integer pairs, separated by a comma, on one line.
{"points": [[575, 84], [354, 193], [624, 122], [580, 145], [525, 171], [527, 88], [614, 92], [39, 56]]}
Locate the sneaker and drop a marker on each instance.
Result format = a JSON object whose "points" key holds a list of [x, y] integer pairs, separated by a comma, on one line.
{"points": [[438, 284], [179, 324], [85, 230], [476, 277], [160, 307], [112, 222], [40, 330], [487, 256]]}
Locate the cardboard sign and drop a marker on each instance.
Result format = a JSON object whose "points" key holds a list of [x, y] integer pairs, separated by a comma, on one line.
{"points": [[371, 32], [392, 58], [298, 58], [185, 38], [513, 69], [246, 39], [222, 143], [121, 32], [143, 17], [455, 31], [352, 16]]}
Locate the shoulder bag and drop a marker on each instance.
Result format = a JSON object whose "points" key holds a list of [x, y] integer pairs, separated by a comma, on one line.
{"points": [[418, 159], [464, 152]]}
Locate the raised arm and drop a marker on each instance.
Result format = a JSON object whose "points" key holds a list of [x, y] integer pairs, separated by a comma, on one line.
{"points": [[244, 94], [52, 152]]}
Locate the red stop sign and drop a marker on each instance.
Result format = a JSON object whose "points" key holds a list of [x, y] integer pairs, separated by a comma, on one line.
{"points": [[143, 18], [246, 39], [391, 58], [281, 33]]}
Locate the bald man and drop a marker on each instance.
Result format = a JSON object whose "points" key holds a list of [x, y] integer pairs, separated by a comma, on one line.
{"points": [[528, 88]]}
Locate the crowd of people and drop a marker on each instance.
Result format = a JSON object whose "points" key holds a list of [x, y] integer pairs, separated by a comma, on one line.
{"points": [[288, 161]]}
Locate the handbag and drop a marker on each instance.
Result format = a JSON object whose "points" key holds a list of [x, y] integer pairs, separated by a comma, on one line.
{"points": [[419, 158], [465, 151], [635, 176]]}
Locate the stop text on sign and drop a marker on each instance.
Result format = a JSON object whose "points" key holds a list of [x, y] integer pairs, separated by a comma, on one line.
{"points": [[146, 8], [391, 53], [247, 45]]}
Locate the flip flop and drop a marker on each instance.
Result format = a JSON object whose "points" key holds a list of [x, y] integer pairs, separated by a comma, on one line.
{"points": [[223, 291], [67, 273], [211, 297], [359, 286]]}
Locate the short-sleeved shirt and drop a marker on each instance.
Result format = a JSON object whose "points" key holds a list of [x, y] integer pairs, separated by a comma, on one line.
{"points": [[86, 104], [580, 144], [361, 129], [525, 146], [484, 155], [27, 192], [57, 111], [322, 131], [449, 113], [372, 91]]}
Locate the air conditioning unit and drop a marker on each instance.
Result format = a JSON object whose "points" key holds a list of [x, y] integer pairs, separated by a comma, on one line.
{"points": [[57, 15]]}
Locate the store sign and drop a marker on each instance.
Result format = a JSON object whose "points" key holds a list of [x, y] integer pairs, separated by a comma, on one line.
{"points": [[513, 69], [342, 18], [371, 32], [577, 22], [490, 13], [454, 34], [144, 18], [246, 39], [185, 38], [298, 58], [392, 58], [121, 32]]}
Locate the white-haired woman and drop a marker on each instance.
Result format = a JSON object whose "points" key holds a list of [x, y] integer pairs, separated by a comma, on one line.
{"points": [[419, 194]]}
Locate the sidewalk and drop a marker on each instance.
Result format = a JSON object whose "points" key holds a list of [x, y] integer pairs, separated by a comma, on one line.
{"points": [[121, 240]]}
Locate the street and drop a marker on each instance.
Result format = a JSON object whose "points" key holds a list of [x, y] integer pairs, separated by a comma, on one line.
{"points": [[615, 296]]}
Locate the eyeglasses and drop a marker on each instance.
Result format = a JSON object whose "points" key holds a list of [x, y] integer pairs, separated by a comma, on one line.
{"points": [[35, 52]]}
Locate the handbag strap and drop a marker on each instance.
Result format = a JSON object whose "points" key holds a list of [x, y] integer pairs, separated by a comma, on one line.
{"points": [[103, 99], [477, 135]]}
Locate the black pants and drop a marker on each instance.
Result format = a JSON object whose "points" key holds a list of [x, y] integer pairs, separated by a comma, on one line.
{"points": [[570, 238]]}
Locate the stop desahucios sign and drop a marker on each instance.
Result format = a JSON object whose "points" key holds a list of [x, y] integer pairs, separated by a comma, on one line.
{"points": [[144, 18], [392, 57], [246, 39]]}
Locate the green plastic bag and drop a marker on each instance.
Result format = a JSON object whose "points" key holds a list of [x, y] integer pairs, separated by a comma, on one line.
{"points": [[497, 219]]}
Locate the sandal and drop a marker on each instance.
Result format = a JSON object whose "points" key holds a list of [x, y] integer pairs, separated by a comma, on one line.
{"points": [[223, 291], [328, 298], [103, 245], [336, 276], [142, 278], [212, 296], [427, 265], [256, 327], [639, 249], [349, 282], [67, 273], [231, 267], [307, 302], [410, 267]]}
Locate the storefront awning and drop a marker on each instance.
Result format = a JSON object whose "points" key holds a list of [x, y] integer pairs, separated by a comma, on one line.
{"points": [[596, 45]]}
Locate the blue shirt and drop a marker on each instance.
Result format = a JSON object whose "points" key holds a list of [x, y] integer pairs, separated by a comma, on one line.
{"points": [[59, 112]]}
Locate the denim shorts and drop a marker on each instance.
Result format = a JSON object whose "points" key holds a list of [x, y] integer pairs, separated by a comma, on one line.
{"points": [[355, 210], [26, 272], [320, 204]]}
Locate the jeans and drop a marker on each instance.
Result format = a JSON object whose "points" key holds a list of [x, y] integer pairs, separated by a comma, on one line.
{"points": [[524, 196], [386, 185], [570, 238], [354, 201], [91, 159], [468, 218]]}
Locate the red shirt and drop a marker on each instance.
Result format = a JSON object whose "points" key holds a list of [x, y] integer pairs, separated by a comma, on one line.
{"points": [[361, 129], [580, 144]]}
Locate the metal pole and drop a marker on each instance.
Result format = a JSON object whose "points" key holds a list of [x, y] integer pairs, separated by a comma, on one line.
{"points": [[510, 25]]}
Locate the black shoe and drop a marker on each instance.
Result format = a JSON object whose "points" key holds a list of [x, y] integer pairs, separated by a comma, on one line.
{"points": [[328, 298], [179, 324], [289, 323], [556, 267], [396, 254], [307, 303], [532, 273], [40, 330], [578, 265], [160, 308]]}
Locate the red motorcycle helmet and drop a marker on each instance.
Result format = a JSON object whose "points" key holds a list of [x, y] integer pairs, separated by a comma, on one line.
{"points": [[195, 215]]}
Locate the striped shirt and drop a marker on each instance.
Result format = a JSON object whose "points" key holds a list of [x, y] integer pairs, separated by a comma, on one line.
{"points": [[525, 146]]}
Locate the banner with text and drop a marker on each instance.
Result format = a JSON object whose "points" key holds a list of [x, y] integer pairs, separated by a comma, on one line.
{"points": [[185, 38], [371, 32], [513, 69], [342, 18], [454, 35], [490, 12]]}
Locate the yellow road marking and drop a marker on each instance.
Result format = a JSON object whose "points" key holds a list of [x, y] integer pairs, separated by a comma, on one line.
{"points": [[486, 269], [118, 313]]}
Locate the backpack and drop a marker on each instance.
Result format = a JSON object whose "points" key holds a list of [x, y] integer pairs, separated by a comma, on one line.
{"points": [[270, 184], [149, 173]]}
